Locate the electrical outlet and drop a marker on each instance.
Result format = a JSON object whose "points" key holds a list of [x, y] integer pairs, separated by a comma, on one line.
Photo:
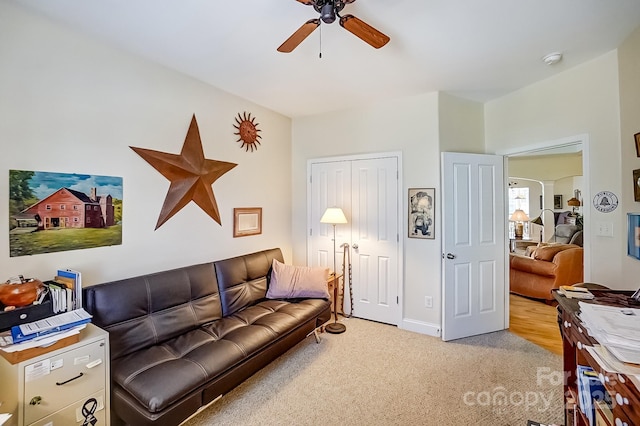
{"points": [[428, 301]]}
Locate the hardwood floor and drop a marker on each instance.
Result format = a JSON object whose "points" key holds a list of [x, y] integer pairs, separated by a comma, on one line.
{"points": [[536, 322]]}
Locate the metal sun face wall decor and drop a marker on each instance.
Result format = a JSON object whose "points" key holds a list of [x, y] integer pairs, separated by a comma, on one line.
{"points": [[248, 132]]}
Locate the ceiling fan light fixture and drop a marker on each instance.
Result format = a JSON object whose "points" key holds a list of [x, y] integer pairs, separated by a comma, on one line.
{"points": [[328, 13]]}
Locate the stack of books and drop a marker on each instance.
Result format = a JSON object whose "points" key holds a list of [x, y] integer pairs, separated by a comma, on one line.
{"points": [[65, 290], [574, 292]]}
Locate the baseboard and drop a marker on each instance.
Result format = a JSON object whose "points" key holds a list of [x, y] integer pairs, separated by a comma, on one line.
{"points": [[421, 327]]}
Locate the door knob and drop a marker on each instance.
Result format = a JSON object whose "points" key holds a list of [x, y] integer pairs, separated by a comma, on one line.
{"points": [[355, 246], [451, 256]]}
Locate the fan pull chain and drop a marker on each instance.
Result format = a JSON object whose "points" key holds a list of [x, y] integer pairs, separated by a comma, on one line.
{"points": [[320, 55]]}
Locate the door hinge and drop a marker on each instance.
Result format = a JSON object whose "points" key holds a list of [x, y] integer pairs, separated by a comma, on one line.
{"points": [[310, 178], [397, 238], [311, 232], [397, 300]]}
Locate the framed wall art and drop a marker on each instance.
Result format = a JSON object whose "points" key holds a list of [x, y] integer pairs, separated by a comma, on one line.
{"points": [[247, 221], [557, 202], [636, 184], [51, 212], [633, 235], [422, 213], [637, 138]]}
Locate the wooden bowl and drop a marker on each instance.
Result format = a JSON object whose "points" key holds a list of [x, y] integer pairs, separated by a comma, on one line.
{"points": [[19, 294]]}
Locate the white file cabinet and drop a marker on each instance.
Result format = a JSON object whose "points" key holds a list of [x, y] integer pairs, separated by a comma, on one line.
{"points": [[65, 387]]}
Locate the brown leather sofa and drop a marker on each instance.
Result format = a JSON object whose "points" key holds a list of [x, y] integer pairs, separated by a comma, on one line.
{"points": [[547, 268], [181, 338]]}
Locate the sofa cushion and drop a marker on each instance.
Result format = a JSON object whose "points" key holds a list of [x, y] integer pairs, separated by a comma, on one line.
{"points": [[289, 281], [160, 375], [144, 311], [547, 253], [242, 280]]}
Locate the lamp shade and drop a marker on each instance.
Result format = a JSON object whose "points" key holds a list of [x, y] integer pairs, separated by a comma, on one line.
{"points": [[538, 221], [519, 216], [573, 202], [333, 215]]}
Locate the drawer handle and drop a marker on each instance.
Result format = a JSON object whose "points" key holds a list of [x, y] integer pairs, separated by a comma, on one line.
{"points": [[70, 380], [36, 400]]}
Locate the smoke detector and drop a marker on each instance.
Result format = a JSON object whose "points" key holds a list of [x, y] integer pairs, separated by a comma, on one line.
{"points": [[552, 58]]}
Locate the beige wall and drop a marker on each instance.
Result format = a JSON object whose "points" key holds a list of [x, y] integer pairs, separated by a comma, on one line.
{"points": [[581, 100], [69, 104], [420, 127], [629, 65], [408, 125], [546, 167]]}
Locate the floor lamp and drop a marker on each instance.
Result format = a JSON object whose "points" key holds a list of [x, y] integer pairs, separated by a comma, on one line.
{"points": [[334, 216], [538, 221]]}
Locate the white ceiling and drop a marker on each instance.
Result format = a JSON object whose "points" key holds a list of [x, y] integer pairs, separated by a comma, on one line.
{"points": [[478, 49]]}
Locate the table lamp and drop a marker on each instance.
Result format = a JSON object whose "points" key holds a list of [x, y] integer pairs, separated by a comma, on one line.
{"points": [[334, 216], [519, 216]]}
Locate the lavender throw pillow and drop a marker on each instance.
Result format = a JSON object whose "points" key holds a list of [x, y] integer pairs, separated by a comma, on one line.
{"points": [[291, 282]]}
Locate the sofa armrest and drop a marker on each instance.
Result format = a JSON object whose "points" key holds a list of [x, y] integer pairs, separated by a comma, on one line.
{"points": [[532, 266], [570, 266]]}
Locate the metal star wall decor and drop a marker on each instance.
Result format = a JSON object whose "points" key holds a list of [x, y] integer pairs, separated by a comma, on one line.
{"points": [[191, 175]]}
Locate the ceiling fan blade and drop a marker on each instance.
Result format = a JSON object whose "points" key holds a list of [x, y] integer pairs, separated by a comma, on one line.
{"points": [[364, 31], [299, 36]]}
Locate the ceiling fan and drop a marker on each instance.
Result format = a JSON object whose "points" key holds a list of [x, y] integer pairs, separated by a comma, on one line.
{"points": [[328, 10]]}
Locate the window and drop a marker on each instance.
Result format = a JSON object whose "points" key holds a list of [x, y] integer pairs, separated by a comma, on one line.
{"points": [[62, 207], [88, 207], [75, 207], [48, 207], [95, 208], [518, 199]]}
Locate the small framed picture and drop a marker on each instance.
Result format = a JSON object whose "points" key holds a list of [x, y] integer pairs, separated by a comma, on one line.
{"points": [[637, 138], [247, 221], [422, 213], [636, 184], [557, 202]]}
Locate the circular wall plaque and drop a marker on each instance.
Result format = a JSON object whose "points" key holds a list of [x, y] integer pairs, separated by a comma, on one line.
{"points": [[605, 201]]}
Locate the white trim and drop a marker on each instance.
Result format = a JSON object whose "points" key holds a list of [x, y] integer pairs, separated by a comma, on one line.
{"points": [[401, 218], [421, 327]]}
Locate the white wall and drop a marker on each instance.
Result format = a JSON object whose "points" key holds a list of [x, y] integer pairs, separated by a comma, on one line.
{"points": [[581, 100], [409, 125], [629, 65], [69, 104], [420, 127]]}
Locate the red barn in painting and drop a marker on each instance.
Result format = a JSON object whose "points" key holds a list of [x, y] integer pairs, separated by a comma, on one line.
{"points": [[67, 208]]}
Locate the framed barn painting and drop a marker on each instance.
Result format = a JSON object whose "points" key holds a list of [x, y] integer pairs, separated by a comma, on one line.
{"points": [[422, 213], [52, 212]]}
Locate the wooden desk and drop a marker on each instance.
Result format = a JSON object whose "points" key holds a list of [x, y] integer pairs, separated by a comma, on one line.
{"points": [[625, 396]]}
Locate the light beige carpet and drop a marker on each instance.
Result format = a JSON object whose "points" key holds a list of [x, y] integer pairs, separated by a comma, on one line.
{"points": [[376, 374]]}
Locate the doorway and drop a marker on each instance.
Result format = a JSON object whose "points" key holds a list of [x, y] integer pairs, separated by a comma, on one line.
{"points": [[367, 189], [557, 152]]}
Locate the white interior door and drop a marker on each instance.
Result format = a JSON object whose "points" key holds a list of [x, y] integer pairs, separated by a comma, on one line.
{"points": [[375, 239], [330, 186], [367, 192], [474, 240]]}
